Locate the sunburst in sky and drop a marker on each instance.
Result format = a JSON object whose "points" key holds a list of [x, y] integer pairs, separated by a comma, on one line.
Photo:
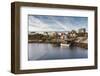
{"points": [[56, 23]]}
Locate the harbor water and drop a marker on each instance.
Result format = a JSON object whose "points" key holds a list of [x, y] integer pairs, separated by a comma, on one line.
{"points": [[47, 51]]}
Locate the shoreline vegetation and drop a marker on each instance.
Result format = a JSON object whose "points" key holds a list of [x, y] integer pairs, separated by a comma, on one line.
{"points": [[79, 39]]}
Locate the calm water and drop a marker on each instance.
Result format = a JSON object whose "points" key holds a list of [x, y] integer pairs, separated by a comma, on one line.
{"points": [[42, 51]]}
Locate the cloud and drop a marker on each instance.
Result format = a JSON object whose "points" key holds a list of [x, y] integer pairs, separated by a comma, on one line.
{"points": [[34, 22], [56, 23]]}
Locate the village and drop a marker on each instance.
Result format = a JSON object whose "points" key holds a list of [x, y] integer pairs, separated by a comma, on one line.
{"points": [[71, 38]]}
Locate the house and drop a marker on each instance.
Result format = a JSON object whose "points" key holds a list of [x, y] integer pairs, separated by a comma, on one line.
{"points": [[72, 34]]}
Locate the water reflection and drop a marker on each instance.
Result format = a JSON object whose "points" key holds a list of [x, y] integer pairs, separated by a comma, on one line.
{"points": [[42, 51]]}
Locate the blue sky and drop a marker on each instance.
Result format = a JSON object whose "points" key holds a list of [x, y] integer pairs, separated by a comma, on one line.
{"points": [[56, 23]]}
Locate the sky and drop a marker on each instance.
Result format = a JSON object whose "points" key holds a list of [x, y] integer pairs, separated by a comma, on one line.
{"points": [[56, 23]]}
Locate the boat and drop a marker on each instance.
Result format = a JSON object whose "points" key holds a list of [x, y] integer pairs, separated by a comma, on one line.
{"points": [[65, 44]]}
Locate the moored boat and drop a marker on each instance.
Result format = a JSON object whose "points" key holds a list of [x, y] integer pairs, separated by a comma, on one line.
{"points": [[64, 44]]}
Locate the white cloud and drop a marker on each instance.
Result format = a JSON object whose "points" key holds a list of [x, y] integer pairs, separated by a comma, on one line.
{"points": [[36, 24], [53, 24]]}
